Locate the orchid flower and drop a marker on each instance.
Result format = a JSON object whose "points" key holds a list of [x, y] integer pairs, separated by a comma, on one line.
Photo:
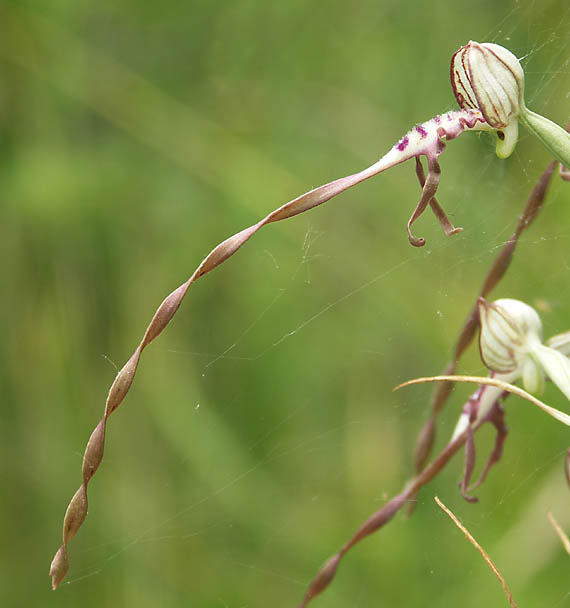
{"points": [[511, 347], [489, 78], [488, 83]]}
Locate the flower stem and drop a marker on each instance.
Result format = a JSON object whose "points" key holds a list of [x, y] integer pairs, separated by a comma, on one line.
{"points": [[553, 137]]}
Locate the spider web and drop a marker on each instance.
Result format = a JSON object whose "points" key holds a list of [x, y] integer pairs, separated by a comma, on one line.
{"points": [[279, 433]]}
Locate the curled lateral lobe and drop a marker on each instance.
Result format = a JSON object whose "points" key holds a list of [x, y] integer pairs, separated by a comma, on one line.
{"points": [[423, 140]]}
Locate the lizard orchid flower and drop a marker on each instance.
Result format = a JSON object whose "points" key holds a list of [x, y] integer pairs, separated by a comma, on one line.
{"points": [[488, 83], [490, 78], [511, 347]]}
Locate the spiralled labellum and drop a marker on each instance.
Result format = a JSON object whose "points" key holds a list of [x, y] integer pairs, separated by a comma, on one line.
{"points": [[511, 345], [489, 78]]}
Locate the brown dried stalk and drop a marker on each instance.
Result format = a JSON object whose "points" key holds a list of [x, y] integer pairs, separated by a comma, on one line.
{"points": [[490, 381], [426, 436], [482, 551]]}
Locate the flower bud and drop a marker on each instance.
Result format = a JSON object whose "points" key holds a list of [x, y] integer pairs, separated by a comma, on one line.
{"points": [[489, 78], [510, 330]]}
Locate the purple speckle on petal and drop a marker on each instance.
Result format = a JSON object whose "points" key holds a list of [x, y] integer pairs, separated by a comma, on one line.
{"points": [[420, 129], [437, 119], [449, 117], [403, 143]]}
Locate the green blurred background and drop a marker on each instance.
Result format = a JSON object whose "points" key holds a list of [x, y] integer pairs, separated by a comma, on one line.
{"points": [[136, 136]]}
